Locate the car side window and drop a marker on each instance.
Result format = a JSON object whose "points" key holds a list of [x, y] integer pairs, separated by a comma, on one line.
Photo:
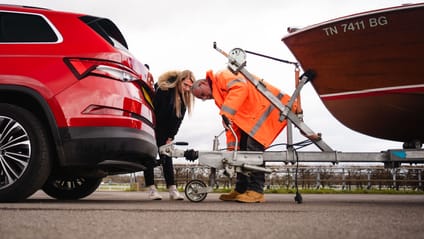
{"points": [[20, 27]]}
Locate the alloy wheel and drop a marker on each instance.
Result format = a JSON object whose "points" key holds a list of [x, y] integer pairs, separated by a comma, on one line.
{"points": [[15, 151]]}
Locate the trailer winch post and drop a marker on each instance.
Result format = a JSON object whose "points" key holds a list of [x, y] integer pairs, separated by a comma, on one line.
{"points": [[237, 62]]}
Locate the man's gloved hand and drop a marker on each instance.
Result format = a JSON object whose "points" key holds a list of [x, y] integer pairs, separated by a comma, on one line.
{"points": [[191, 155], [226, 122]]}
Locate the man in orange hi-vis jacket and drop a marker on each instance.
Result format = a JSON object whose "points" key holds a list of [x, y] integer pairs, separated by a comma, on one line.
{"points": [[254, 119]]}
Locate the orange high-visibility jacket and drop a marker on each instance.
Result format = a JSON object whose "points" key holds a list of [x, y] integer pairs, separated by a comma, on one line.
{"points": [[239, 100]]}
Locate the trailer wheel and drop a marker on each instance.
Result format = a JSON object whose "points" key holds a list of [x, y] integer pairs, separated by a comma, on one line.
{"points": [[195, 190]]}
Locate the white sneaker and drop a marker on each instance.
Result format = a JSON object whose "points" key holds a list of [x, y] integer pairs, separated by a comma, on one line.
{"points": [[153, 193], [174, 194]]}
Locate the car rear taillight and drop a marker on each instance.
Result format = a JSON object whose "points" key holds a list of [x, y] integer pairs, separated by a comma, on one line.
{"points": [[82, 67]]}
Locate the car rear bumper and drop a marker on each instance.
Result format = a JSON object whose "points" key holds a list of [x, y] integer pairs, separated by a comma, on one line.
{"points": [[94, 146]]}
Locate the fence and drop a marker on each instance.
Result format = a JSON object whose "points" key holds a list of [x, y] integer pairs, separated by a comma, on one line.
{"points": [[315, 176], [308, 177]]}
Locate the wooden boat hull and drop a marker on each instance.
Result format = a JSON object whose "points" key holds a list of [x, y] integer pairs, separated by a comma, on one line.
{"points": [[369, 70]]}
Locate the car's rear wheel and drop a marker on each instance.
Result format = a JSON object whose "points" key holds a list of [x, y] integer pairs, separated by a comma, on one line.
{"points": [[25, 153], [70, 187]]}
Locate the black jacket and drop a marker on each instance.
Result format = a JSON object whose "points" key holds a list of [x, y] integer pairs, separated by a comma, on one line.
{"points": [[167, 123]]}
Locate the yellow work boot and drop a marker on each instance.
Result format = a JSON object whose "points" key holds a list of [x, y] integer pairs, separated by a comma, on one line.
{"points": [[250, 196], [229, 196]]}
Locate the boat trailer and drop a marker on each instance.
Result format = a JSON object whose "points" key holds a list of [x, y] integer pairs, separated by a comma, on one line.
{"points": [[232, 162]]}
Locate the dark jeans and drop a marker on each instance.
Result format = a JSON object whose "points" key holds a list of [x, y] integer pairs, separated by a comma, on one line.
{"points": [[256, 180], [168, 172]]}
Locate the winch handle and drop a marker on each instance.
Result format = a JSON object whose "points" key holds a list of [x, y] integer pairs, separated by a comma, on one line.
{"points": [[219, 50]]}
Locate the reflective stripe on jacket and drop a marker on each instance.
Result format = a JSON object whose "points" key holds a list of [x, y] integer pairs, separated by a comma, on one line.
{"points": [[245, 106]]}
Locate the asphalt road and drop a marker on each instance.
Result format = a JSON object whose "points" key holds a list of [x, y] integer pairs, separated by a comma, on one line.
{"points": [[126, 215]]}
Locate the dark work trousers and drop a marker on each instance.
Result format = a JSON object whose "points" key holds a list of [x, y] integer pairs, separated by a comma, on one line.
{"points": [[256, 180], [168, 172]]}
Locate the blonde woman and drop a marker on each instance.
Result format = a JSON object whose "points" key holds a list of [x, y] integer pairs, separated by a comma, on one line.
{"points": [[171, 101]]}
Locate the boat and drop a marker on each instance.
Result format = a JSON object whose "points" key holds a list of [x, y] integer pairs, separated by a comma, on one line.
{"points": [[368, 70]]}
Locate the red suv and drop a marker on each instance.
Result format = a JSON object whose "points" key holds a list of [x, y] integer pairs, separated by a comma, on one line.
{"points": [[75, 105]]}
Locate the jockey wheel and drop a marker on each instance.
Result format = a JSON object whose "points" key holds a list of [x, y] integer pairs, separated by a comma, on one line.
{"points": [[196, 190]]}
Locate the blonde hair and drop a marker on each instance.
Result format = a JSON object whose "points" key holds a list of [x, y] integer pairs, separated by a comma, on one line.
{"points": [[174, 80]]}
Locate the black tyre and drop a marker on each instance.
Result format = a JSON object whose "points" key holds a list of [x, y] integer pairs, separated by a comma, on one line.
{"points": [[70, 187], [25, 153]]}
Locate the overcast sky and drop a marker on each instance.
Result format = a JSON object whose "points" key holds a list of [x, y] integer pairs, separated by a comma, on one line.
{"points": [[170, 35]]}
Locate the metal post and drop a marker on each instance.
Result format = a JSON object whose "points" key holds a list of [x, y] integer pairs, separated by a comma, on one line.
{"points": [[369, 179], [289, 128], [193, 173], [289, 147], [318, 184], [288, 179], [212, 175], [394, 178]]}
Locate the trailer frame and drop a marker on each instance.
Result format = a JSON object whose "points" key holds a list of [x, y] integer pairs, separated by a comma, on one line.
{"points": [[245, 162]]}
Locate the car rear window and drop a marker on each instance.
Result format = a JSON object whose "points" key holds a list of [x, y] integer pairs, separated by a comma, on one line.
{"points": [[107, 29], [20, 27]]}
